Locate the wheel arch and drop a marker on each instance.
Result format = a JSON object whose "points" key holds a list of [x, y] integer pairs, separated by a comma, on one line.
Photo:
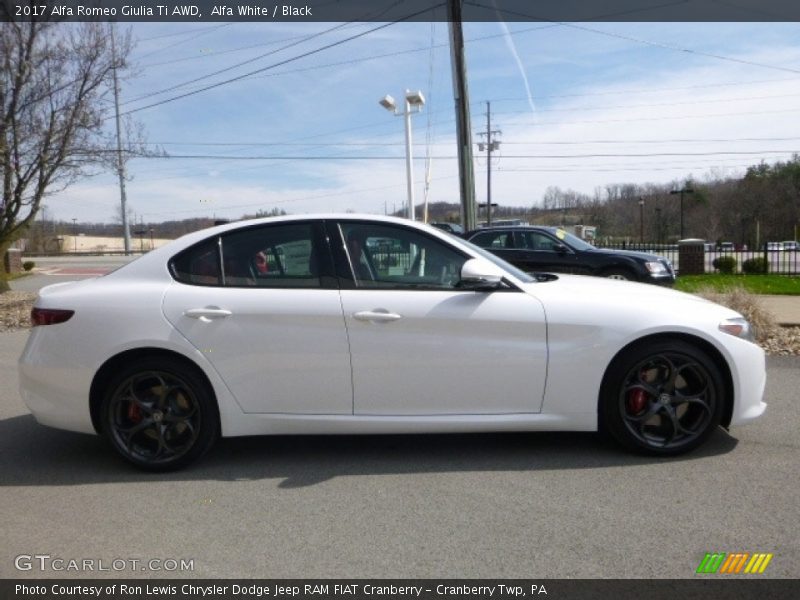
{"points": [[714, 354], [107, 370], [623, 264]]}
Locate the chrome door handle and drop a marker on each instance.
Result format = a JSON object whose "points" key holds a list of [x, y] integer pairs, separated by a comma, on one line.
{"points": [[207, 314], [377, 316]]}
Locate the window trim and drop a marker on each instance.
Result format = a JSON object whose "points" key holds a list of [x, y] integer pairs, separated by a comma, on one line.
{"points": [[327, 272], [350, 281]]}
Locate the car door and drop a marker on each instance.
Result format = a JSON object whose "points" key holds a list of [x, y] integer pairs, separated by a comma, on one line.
{"points": [[422, 346], [261, 303], [540, 251]]}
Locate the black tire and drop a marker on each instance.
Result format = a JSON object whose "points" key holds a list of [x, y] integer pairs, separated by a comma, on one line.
{"points": [[664, 397], [159, 414]]}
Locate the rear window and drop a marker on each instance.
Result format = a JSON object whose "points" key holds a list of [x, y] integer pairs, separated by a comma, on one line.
{"points": [[198, 265], [280, 256]]}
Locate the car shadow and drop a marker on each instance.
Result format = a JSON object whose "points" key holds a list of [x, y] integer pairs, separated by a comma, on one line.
{"points": [[31, 454]]}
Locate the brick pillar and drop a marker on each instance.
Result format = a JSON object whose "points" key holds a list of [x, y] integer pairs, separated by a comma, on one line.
{"points": [[12, 261], [691, 257]]}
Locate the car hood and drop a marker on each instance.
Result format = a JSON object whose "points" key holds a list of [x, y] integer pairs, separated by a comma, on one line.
{"points": [[624, 297], [646, 256]]}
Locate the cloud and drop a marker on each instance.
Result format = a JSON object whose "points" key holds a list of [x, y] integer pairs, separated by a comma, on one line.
{"points": [[643, 98]]}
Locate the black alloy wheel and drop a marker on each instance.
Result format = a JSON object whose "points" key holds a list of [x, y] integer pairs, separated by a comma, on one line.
{"points": [[160, 415], [665, 398]]}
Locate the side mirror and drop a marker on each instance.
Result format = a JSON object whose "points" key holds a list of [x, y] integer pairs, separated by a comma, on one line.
{"points": [[561, 248], [480, 274]]}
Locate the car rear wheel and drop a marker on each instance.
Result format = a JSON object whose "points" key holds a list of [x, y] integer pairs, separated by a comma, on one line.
{"points": [[662, 398], [160, 414]]}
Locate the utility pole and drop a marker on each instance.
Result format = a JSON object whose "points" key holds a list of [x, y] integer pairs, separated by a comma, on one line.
{"points": [[490, 144], [466, 179], [126, 229]]}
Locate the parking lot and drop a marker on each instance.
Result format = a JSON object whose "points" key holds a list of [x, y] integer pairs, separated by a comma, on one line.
{"points": [[511, 505]]}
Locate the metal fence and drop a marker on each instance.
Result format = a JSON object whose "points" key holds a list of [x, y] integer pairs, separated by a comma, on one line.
{"points": [[779, 262]]}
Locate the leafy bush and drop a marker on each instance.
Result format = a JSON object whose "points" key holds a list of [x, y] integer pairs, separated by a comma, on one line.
{"points": [[755, 265], [28, 265], [724, 264]]}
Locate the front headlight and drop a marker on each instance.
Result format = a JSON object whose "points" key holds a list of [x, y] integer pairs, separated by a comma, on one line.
{"points": [[739, 327], [655, 267]]}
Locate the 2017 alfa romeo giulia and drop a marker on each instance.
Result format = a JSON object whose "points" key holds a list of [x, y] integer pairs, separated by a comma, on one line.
{"points": [[360, 324]]}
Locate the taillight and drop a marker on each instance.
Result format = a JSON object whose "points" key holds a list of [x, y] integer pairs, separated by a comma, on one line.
{"points": [[49, 316]]}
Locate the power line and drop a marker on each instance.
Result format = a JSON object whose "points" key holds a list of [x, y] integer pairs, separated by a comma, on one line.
{"points": [[662, 141], [180, 33], [303, 198], [297, 42], [283, 62], [656, 105], [194, 37], [639, 40], [671, 118], [242, 145], [585, 169], [450, 157], [237, 65], [652, 90]]}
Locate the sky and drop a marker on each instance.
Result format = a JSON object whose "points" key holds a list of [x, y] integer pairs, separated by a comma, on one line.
{"points": [[580, 106]]}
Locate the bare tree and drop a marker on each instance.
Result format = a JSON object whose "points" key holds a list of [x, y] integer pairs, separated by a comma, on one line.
{"points": [[55, 101]]}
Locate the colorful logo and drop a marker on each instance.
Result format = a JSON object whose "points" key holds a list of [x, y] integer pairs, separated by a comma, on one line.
{"points": [[734, 562]]}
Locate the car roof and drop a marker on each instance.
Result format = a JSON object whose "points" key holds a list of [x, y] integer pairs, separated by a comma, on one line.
{"points": [[156, 260], [550, 228]]}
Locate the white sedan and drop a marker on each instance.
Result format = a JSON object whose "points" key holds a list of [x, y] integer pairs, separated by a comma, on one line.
{"points": [[346, 324]]}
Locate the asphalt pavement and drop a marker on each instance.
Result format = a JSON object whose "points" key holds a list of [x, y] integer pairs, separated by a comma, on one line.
{"points": [[462, 506], [510, 505]]}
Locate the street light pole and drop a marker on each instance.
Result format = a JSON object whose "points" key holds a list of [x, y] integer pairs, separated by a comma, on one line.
{"points": [[413, 103], [641, 220], [658, 225], [409, 161], [682, 191]]}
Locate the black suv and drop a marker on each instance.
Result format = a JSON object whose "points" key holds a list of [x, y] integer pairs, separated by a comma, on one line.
{"points": [[553, 249]]}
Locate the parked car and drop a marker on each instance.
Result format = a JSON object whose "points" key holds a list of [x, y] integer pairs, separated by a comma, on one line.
{"points": [[727, 247], [453, 228], [193, 341], [773, 246], [503, 223], [791, 246], [550, 249]]}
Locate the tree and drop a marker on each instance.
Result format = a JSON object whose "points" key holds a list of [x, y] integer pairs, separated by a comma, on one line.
{"points": [[55, 86]]}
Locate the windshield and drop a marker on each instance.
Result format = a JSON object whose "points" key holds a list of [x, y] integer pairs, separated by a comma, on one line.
{"points": [[521, 275], [571, 240]]}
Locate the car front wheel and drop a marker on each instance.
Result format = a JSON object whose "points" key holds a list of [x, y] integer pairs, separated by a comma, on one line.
{"points": [[662, 398], [159, 414], [620, 275]]}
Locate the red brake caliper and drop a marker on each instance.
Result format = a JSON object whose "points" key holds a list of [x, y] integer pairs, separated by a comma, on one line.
{"points": [[637, 399], [134, 412]]}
